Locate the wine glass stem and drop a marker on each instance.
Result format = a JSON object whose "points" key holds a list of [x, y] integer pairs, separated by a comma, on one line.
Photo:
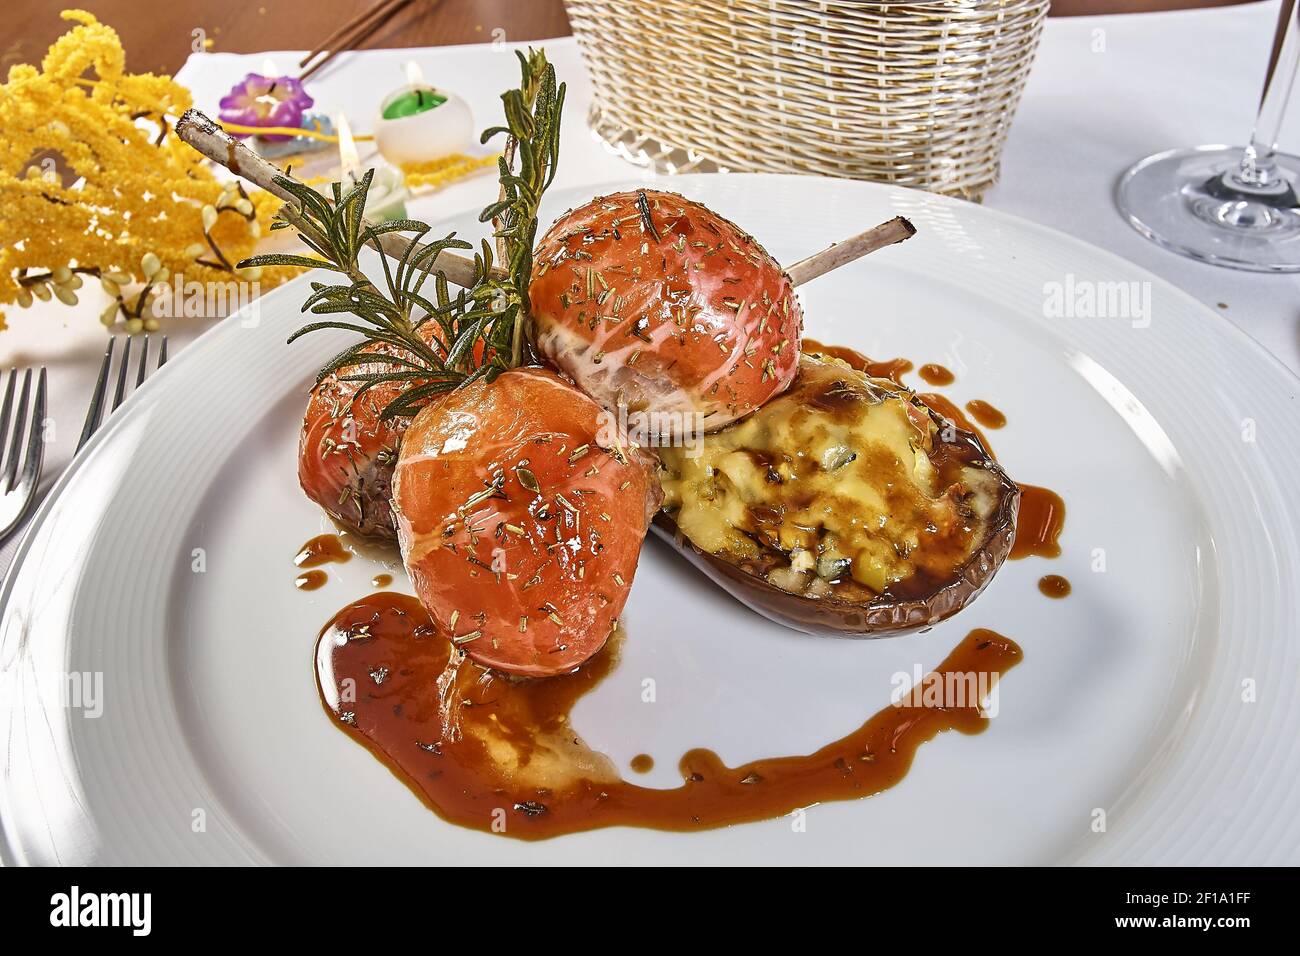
{"points": [[1258, 168]]}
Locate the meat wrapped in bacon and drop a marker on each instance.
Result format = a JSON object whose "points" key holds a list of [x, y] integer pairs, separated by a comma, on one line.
{"points": [[346, 452], [520, 514], [651, 302]]}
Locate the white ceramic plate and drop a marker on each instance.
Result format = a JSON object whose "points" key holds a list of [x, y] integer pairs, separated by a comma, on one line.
{"points": [[1162, 692]]}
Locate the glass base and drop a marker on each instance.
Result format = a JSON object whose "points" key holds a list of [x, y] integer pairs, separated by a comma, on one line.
{"points": [[1195, 202]]}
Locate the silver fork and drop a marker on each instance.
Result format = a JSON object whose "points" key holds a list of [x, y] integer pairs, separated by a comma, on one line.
{"points": [[96, 411], [19, 491]]}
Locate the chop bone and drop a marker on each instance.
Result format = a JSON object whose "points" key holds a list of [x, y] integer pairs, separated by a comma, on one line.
{"points": [[199, 131]]}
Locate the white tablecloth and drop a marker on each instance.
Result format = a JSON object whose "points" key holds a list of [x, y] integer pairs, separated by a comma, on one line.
{"points": [[1104, 92]]}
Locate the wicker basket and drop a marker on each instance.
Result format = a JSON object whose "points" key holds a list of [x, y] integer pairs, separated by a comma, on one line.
{"points": [[919, 94]]}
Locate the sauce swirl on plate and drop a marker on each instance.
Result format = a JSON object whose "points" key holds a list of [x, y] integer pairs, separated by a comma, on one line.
{"points": [[501, 755]]}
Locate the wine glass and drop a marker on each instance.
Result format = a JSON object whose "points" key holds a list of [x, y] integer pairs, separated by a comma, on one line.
{"points": [[1228, 205]]}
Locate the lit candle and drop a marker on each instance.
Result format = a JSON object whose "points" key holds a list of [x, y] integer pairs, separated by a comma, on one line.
{"points": [[419, 97], [386, 199], [349, 158], [420, 122]]}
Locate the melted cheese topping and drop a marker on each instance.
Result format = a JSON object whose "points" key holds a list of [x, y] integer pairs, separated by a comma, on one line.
{"points": [[840, 485]]}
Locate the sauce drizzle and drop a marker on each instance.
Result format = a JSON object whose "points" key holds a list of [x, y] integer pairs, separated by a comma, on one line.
{"points": [[949, 410], [1039, 524], [310, 580], [1042, 511], [322, 549], [643, 763], [1054, 586], [986, 414], [488, 750], [933, 374], [892, 369]]}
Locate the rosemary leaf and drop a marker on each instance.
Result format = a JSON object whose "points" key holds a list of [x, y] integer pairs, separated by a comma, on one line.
{"points": [[442, 341]]}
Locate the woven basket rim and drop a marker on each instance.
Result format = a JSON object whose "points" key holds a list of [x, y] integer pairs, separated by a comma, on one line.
{"points": [[915, 93]]}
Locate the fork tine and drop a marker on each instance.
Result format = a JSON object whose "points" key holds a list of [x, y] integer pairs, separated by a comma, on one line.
{"points": [[35, 456], [120, 391], [35, 440], [8, 408], [96, 409], [16, 439], [144, 358], [162, 353]]}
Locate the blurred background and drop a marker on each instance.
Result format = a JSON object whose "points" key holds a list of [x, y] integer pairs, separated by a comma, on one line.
{"points": [[159, 36]]}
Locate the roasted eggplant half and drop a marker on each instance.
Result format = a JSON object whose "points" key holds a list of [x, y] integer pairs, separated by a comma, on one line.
{"points": [[844, 506]]}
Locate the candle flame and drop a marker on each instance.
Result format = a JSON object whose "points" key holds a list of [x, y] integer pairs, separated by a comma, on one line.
{"points": [[269, 68], [349, 158], [415, 76]]}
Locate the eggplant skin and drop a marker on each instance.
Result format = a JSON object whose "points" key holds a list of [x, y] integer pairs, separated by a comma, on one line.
{"points": [[883, 616]]}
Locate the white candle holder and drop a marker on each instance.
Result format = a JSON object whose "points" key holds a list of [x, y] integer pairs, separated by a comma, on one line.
{"points": [[436, 132]]}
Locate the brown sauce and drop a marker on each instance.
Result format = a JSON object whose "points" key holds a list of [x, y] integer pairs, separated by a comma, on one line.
{"points": [[500, 755], [1041, 518], [381, 580], [310, 580], [1054, 586], [892, 369], [950, 410], [936, 375], [643, 763], [1042, 511], [986, 414], [1039, 523], [322, 549]]}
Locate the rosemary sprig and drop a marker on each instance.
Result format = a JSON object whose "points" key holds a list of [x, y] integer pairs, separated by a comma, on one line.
{"points": [[533, 132], [492, 311]]}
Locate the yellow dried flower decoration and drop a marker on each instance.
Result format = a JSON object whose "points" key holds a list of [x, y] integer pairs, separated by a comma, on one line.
{"points": [[94, 182], [447, 169]]}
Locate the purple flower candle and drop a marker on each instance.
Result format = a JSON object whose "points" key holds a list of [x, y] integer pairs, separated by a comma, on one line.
{"points": [[266, 101]]}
